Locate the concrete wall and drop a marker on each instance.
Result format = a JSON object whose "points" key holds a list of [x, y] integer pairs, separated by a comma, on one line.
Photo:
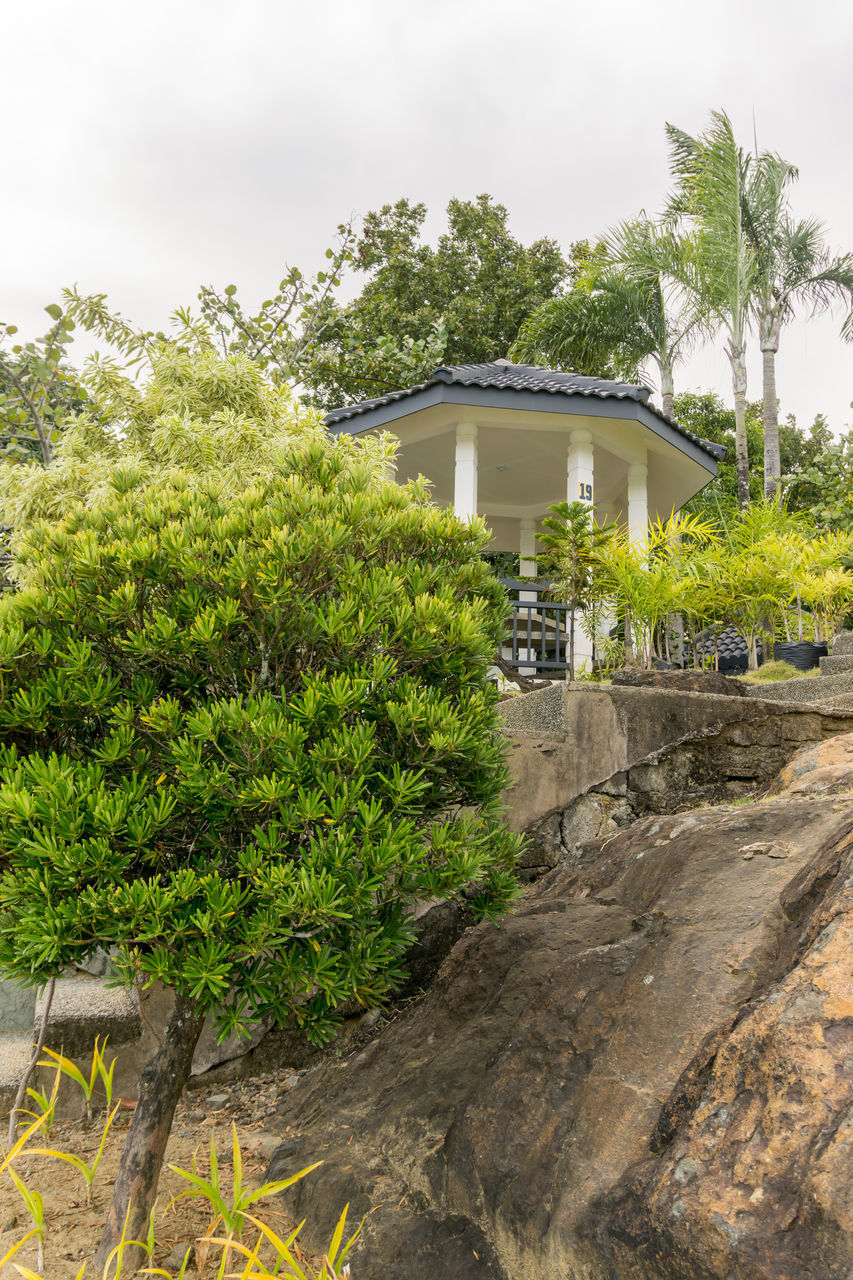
{"points": [[570, 738], [17, 1006]]}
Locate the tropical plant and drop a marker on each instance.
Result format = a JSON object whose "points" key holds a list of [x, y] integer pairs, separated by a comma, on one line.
{"points": [[87, 1169], [572, 540], [264, 1259], [624, 312], [230, 1209], [242, 733], [649, 581], [99, 1073], [597, 332]]}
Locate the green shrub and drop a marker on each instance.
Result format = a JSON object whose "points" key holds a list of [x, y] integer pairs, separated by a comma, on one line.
{"points": [[242, 734]]}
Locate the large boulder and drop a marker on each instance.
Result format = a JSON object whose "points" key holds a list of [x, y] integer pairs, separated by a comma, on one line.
{"points": [[682, 681], [645, 1072]]}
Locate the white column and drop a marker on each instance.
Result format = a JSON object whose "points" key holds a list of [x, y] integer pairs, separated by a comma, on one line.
{"points": [[465, 489], [638, 502], [579, 481], [526, 569], [527, 554], [580, 488]]}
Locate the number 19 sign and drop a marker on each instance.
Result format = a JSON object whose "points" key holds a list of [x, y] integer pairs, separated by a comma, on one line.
{"points": [[585, 492]]}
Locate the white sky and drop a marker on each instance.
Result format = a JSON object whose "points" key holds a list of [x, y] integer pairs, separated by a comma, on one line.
{"points": [[152, 147]]}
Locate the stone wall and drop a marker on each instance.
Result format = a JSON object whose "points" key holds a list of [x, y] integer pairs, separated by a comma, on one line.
{"points": [[606, 756]]}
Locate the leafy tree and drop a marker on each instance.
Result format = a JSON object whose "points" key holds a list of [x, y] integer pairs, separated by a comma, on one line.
{"points": [[470, 293], [197, 415], [39, 392], [705, 413], [243, 731], [822, 485], [461, 301], [282, 336]]}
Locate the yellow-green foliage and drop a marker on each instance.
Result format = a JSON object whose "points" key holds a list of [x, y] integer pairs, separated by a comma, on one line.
{"points": [[198, 415], [771, 672], [261, 1259], [765, 570]]}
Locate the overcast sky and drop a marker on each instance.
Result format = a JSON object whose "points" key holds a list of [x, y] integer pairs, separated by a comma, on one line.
{"points": [[152, 147]]}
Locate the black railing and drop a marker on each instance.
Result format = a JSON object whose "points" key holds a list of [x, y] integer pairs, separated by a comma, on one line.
{"points": [[537, 637]]}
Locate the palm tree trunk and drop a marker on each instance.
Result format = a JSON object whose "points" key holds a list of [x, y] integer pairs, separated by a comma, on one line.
{"points": [[772, 461], [160, 1085], [667, 388], [737, 359]]}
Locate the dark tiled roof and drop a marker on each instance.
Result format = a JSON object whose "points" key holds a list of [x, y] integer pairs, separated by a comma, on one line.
{"points": [[503, 376]]}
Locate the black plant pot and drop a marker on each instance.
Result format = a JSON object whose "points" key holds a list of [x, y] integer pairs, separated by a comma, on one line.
{"points": [[802, 654]]}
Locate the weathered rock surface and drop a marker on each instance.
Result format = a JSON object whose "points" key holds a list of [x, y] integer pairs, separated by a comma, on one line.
{"points": [[644, 1073], [826, 768], [682, 681]]}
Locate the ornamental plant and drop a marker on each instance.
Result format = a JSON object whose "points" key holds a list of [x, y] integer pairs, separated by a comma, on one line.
{"points": [[242, 734], [573, 542]]}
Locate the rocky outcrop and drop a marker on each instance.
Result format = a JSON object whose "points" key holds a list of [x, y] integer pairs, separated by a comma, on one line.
{"points": [[644, 1073], [681, 681]]}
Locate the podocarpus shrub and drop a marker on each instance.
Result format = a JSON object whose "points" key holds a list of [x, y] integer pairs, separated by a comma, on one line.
{"points": [[241, 734]]}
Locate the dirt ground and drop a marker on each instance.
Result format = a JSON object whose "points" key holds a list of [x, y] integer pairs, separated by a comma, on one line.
{"points": [[72, 1229]]}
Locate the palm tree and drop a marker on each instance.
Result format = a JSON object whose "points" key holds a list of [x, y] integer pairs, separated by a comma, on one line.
{"points": [[795, 266], [719, 265], [647, 254], [622, 314], [587, 331]]}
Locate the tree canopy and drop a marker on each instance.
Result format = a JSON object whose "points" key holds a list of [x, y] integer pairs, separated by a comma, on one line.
{"points": [[462, 301]]}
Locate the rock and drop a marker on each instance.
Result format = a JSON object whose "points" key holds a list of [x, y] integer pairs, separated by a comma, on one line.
{"points": [[682, 681], [592, 817], [824, 769], [211, 1053], [175, 1259], [437, 930], [218, 1101], [544, 848], [644, 1072]]}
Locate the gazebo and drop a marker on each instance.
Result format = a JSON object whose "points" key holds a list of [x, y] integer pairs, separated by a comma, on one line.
{"points": [[505, 441]]}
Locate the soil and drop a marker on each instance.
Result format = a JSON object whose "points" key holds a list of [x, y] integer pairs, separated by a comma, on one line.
{"points": [[73, 1229]]}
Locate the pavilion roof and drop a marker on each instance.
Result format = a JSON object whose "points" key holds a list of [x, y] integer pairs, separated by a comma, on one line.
{"points": [[501, 375]]}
